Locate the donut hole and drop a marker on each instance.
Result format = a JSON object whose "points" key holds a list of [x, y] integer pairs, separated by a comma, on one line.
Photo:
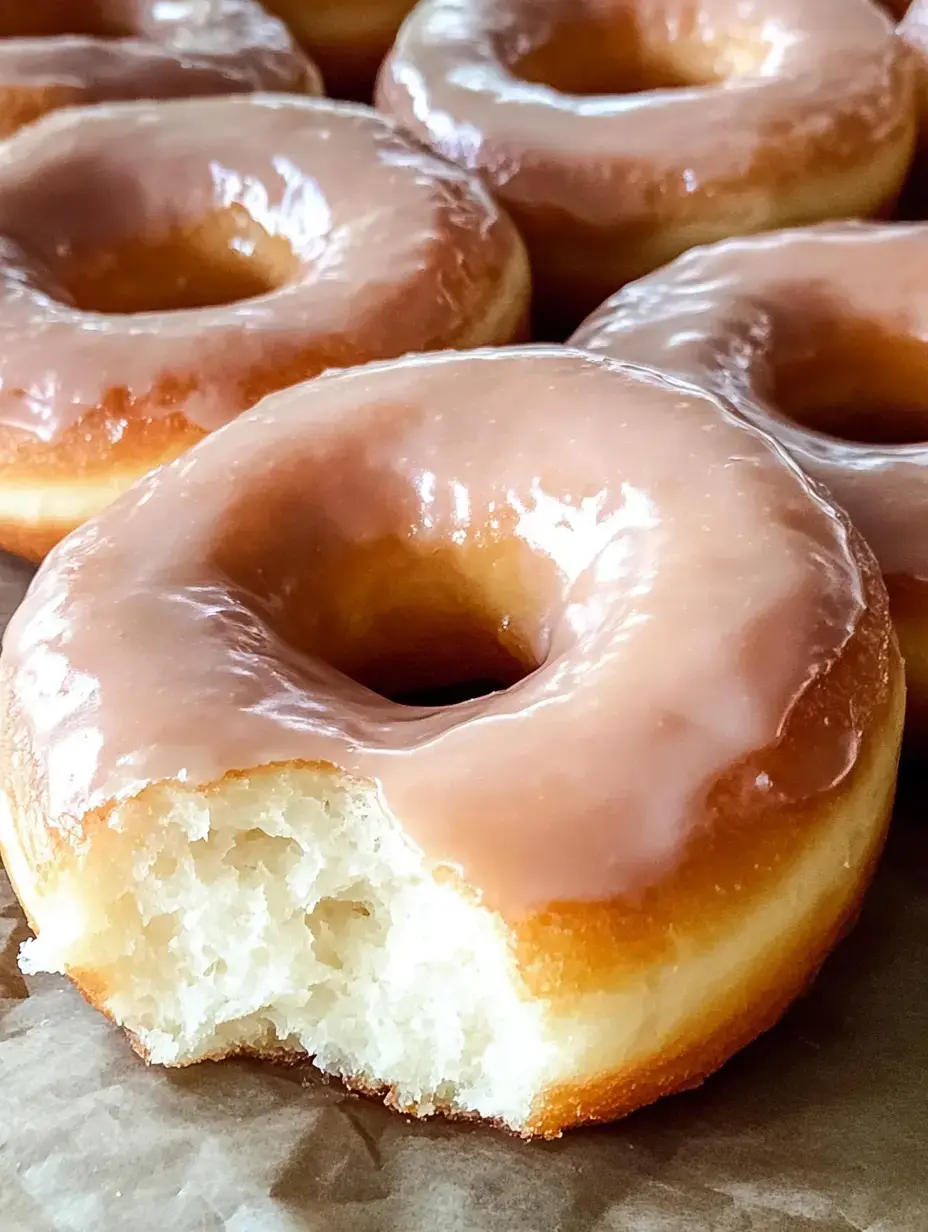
{"points": [[419, 628], [597, 52], [437, 653], [100, 19], [854, 379], [223, 258], [429, 637], [416, 627], [414, 618]]}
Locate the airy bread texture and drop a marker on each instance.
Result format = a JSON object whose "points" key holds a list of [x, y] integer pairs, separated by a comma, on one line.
{"points": [[284, 911]]}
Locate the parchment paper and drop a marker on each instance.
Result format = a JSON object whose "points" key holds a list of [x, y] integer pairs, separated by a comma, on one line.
{"points": [[822, 1125]]}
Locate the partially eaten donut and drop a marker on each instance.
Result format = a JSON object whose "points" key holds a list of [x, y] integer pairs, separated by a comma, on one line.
{"points": [[244, 816]]}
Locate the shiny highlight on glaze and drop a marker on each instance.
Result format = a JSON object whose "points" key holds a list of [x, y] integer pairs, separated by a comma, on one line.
{"points": [[666, 583]]}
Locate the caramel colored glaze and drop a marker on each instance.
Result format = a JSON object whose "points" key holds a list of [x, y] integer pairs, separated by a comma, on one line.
{"points": [[348, 39], [815, 101], [657, 587], [126, 232], [909, 602], [58, 53]]}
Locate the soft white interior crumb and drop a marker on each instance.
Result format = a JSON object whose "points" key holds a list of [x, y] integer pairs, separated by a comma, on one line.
{"points": [[289, 908]]}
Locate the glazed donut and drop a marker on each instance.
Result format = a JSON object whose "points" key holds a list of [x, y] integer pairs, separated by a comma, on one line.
{"points": [[815, 119], [820, 336], [347, 38], [322, 832], [163, 266], [57, 53]]}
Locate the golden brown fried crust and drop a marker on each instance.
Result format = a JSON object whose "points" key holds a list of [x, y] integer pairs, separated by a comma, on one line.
{"points": [[709, 1044]]}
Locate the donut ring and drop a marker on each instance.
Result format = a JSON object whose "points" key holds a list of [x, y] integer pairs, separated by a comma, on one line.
{"points": [[348, 39], [605, 189], [165, 265], [540, 906], [58, 53], [818, 336]]}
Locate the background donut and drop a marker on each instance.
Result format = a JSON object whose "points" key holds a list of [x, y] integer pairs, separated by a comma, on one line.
{"points": [[165, 265], [600, 126], [818, 336], [60, 53]]}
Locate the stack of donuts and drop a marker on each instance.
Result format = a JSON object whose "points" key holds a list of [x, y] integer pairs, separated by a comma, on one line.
{"points": [[482, 558]]}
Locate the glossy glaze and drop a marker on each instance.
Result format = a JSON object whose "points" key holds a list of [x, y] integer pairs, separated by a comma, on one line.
{"points": [[353, 243], [831, 322], [672, 123], [56, 53], [653, 581]]}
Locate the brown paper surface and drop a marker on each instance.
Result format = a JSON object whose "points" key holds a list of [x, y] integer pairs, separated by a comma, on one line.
{"points": [[821, 1125]]}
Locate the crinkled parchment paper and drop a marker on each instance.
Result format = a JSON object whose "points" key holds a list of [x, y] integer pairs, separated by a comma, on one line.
{"points": [[821, 1125]]}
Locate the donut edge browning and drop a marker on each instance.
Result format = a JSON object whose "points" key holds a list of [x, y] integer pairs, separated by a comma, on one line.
{"points": [[848, 828]]}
